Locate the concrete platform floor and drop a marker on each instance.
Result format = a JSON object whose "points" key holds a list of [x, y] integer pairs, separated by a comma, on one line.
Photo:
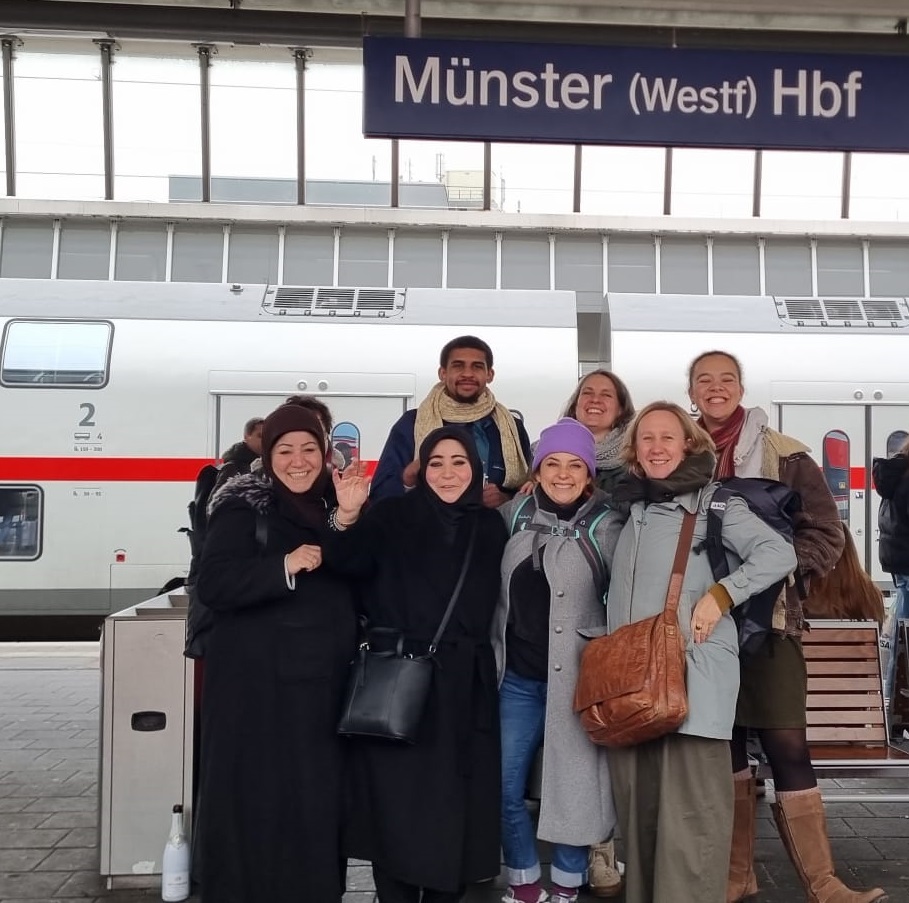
{"points": [[49, 800]]}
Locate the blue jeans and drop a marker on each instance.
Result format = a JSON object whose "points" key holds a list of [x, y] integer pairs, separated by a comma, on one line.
{"points": [[900, 609], [522, 709]]}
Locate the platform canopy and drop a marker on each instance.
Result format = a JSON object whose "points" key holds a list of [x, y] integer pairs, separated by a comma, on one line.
{"points": [[842, 17]]}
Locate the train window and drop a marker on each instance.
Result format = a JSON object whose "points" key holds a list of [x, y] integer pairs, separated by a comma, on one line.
{"points": [[895, 441], [835, 465], [21, 517], [55, 353]]}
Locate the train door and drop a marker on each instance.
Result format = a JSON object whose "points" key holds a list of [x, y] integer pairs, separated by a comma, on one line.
{"points": [[363, 412], [844, 439]]}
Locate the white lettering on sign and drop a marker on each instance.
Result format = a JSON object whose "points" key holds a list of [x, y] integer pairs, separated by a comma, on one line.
{"points": [[824, 96], [652, 95], [468, 87]]}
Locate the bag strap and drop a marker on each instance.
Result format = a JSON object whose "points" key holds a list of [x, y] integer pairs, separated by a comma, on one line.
{"points": [[680, 563], [456, 591]]}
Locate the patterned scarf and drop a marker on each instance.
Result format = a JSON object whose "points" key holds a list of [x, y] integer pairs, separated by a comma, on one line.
{"points": [[439, 407], [725, 438], [609, 450]]}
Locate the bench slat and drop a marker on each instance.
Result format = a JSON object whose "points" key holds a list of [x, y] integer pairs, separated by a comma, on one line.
{"points": [[824, 668], [840, 635], [843, 717], [839, 653], [846, 751], [848, 684], [844, 701], [853, 734]]}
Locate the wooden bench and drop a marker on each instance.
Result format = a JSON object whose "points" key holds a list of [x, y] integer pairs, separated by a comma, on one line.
{"points": [[847, 728]]}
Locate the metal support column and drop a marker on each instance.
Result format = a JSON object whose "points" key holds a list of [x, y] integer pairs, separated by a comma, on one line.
{"points": [[412, 29], [757, 187], [487, 175], [667, 182], [9, 44], [846, 192], [576, 193], [205, 51], [301, 55], [107, 49]]}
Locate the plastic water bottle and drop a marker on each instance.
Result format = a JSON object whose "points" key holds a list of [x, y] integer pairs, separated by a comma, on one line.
{"points": [[175, 861]]}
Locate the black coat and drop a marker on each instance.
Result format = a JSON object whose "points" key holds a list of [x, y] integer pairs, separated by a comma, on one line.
{"points": [[891, 479], [272, 766], [428, 814]]}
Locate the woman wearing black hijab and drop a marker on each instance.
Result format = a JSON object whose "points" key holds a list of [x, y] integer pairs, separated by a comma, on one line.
{"points": [[427, 815], [272, 766]]}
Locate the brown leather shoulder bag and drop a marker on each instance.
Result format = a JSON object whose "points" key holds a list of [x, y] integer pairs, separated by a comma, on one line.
{"points": [[631, 686]]}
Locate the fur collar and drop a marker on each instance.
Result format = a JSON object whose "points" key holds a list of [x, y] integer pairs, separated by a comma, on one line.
{"points": [[251, 489]]}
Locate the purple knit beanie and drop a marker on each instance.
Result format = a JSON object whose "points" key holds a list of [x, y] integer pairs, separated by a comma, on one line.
{"points": [[569, 437]]}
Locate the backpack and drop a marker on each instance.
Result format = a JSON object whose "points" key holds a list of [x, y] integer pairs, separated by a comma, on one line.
{"points": [[522, 519], [776, 505], [198, 514]]}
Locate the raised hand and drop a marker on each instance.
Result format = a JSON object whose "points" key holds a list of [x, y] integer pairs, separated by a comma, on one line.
{"points": [[352, 490]]}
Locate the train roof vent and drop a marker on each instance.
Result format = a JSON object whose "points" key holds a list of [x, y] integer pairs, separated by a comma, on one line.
{"points": [[315, 301], [801, 309], [335, 299], [886, 311], [843, 309], [293, 298], [844, 312]]}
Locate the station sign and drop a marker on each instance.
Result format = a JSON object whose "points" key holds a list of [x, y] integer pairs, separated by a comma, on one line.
{"points": [[557, 93]]}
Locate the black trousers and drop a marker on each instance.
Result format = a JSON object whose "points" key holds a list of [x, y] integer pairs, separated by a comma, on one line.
{"points": [[391, 890]]}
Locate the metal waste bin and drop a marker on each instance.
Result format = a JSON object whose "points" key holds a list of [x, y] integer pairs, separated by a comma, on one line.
{"points": [[146, 734]]}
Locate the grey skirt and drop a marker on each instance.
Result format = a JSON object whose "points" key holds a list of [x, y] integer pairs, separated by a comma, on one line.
{"points": [[774, 685]]}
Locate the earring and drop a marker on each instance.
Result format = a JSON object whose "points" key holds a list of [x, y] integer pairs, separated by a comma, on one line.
{"points": [[693, 407]]}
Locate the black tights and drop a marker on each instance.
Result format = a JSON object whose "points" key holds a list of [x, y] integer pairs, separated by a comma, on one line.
{"points": [[787, 752], [391, 890]]}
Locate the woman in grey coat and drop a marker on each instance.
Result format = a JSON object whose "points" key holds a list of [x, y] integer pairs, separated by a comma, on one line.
{"points": [[553, 582], [674, 795]]}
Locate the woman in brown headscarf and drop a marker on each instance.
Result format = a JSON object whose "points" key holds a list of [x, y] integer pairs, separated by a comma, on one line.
{"points": [[272, 765]]}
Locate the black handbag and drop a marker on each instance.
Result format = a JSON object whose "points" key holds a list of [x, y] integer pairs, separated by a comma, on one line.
{"points": [[388, 690]]}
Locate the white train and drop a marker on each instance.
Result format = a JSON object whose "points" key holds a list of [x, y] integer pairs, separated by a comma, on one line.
{"points": [[831, 372], [115, 394]]}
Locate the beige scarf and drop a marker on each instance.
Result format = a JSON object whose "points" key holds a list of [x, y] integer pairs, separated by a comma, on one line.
{"points": [[439, 407]]}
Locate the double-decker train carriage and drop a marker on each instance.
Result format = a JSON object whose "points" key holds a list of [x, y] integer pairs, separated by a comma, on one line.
{"points": [[115, 394], [830, 371]]}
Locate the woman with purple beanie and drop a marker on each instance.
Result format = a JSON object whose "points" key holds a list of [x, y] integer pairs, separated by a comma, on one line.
{"points": [[553, 587]]}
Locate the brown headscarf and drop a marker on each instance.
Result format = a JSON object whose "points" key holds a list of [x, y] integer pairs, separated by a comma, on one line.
{"points": [[306, 507]]}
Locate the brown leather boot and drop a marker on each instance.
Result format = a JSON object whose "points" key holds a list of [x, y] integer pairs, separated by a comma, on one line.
{"points": [[742, 881], [800, 818]]}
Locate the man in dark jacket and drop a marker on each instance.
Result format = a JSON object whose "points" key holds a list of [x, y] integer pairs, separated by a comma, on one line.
{"points": [[239, 457], [461, 396], [891, 479]]}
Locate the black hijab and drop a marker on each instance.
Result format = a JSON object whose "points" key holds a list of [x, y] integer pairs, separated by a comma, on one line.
{"points": [[451, 514], [307, 507]]}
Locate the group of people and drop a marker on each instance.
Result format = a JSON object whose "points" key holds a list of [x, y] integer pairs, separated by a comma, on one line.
{"points": [[303, 561]]}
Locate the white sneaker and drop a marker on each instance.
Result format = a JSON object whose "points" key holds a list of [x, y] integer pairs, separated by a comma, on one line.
{"points": [[604, 877]]}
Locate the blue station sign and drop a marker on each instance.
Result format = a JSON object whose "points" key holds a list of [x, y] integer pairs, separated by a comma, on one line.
{"points": [[556, 93]]}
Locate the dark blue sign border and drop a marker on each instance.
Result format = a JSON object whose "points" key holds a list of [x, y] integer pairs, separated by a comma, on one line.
{"points": [[485, 91]]}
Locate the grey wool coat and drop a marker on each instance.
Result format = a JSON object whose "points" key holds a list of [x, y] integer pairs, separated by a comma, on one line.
{"points": [[576, 804], [641, 564]]}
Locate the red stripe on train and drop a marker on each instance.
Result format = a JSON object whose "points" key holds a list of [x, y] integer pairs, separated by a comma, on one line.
{"points": [[856, 477], [109, 470]]}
